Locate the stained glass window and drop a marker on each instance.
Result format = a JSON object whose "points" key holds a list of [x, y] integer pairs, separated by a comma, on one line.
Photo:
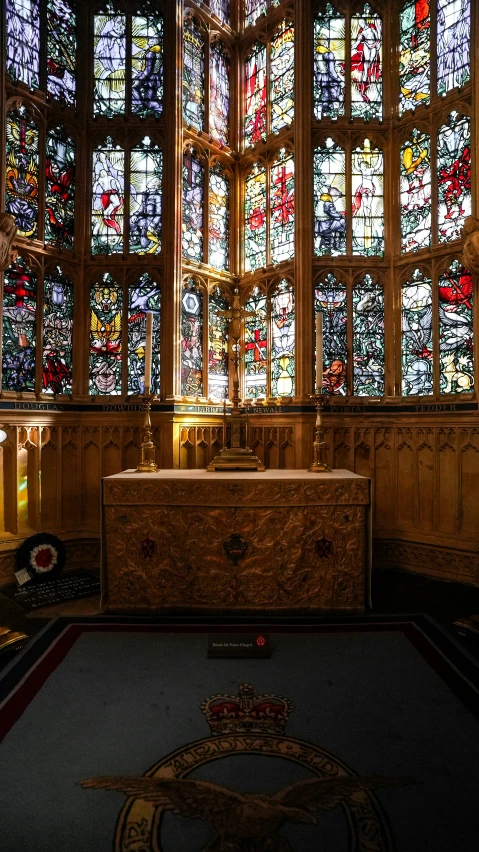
{"points": [[192, 340], [109, 49], [147, 65], [414, 54], [330, 300], [253, 9], [453, 176], [19, 327], [255, 218], [57, 333], [417, 336], [256, 345], [282, 340], [221, 8], [61, 50], [366, 64], [416, 192], [143, 296], [193, 190], [108, 198], [218, 220], [256, 97], [282, 77], [329, 63], [282, 208], [21, 176], [59, 189], [456, 334], [453, 44], [23, 41], [193, 76], [217, 346], [219, 93], [106, 305], [368, 201], [368, 338], [329, 172], [146, 174]]}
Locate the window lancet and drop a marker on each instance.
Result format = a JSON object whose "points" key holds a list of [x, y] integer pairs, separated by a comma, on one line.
{"points": [[329, 63], [256, 345], [193, 199], [368, 200], [417, 336], [146, 176], [453, 44], [255, 218], [414, 54], [57, 363], [106, 312], [456, 333], [193, 75], [453, 176], [283, 340], [19, 327], [59, 189], [61, 51], [192, 340], [329, 171], [255, 95], [330, 299], [218, 222], [219, 93], [282, 208], [368, 338], [23, 41], [22, 171], [217, 346], [366, 64], [108, 198], [143, 296], [282, 77], [416, 192]]}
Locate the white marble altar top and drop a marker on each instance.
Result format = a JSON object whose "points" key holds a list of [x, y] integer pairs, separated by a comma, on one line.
{"points": [[239, 475]]}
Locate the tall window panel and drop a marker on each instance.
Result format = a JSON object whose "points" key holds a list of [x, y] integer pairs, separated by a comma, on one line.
{"points": [[329, 63], [19, 327], [416, 192], [109, 54], [255, 218], [218, 220], [330, 299], [256, 345], [61, 51], [368, 338], [253, 9], [282, 340], [219, 93], [255, 95], [57, 333], [368, 200], [193, 200], [143, 296], [417, 336], [282, 77], [329, 175], [108, 200], [414, 54], [106, 307], [193, 75], [21, 173], [366, 64], [282, 208], [146, 176], [23, 41], [453, 44], [192, 340], [456, 333], [217, 346], [221, 8], [59, 189], [147, 65], [453, 176]]}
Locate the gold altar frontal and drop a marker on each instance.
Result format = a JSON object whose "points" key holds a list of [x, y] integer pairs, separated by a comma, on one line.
{"points": [[275, 540]]}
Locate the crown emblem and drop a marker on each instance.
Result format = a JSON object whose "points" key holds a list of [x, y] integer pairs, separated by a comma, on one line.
{"points": [[247, 712]]}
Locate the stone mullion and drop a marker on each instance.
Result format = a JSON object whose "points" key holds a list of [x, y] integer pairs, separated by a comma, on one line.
{"points": [[303, 277]]}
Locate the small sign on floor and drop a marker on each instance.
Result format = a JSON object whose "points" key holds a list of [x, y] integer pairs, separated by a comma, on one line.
{"points": [[239, 645]]}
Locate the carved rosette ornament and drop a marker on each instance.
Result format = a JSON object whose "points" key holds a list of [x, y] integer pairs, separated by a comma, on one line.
{"points": [[8, 232]]}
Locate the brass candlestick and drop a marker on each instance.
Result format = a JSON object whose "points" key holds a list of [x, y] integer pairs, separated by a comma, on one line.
{"points": [[147, 460], [319, 465]]}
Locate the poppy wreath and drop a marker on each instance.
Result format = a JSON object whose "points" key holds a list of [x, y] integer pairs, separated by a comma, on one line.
{"points": [[42, 555]]}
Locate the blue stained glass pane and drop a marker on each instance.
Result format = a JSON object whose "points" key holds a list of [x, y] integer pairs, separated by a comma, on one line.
{"points": [[219, 93], [417, 336], [146, 175], [21, 175], [108, 199], [57, 333], [453, 44], [329, 175], [217, 346], [59, 189], [256, 345], [368, 338], [414, 54], [23, 41], [19, 328], [193, 76], [61, 50], [330, 300], [143, 296], [147, 65], [416, 192], [329, 63], [366, 65], [282, 340], [106, 305], [453, 176], [109, 47], [456, 331], [192, 340], [193, 191]]}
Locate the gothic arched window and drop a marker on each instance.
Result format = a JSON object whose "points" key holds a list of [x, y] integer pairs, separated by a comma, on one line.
{"points": [[330, 299], [57, 330], [144, 295], [59, 189], [22, 171], [192, 313]]}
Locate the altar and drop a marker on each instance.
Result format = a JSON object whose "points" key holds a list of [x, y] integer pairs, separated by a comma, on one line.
{"points": [[274, 540]]}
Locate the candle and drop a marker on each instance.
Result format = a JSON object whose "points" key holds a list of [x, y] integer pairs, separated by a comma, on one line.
{"points": [[319, 352], [148, 348]]}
